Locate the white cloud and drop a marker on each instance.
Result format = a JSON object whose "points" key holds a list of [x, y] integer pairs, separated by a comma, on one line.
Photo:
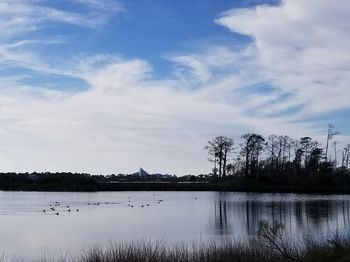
{"points": [[29, 15], [107, 5], [19, 17], [128, 117], [302, 47], [125, 120]]}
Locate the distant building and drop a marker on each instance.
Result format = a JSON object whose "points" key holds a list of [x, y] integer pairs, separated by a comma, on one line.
{"points": [[143, 173]]}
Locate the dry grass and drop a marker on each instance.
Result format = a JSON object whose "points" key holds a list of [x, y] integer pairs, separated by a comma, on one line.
{"points": [[271, 246], [159, 252]]}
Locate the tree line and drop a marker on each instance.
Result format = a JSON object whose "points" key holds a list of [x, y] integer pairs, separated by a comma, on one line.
{"points": [[276, 155]]}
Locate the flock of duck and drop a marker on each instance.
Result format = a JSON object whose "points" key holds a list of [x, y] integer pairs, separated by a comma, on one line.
{"points": [[145, 205], [56, 207]]}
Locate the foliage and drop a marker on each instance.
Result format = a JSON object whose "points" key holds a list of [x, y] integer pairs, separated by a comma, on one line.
{"points": [[284, 161]]}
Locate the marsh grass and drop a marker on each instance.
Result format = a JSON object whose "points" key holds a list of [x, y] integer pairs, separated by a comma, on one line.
{"points": [[161, 252], [323, 249], [270, 246], [311, 249]]}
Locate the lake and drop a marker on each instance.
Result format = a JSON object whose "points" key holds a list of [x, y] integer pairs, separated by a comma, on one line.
{"points": [[81, 220]]}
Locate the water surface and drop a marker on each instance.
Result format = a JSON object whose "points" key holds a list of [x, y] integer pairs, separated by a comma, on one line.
{"points": [[171, 216]]}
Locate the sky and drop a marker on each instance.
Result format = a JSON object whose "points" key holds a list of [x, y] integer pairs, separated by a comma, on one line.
{"points": [[109, 86]]}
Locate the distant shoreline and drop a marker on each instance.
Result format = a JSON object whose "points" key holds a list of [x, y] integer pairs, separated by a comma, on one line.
{"points": [[177, 186]]}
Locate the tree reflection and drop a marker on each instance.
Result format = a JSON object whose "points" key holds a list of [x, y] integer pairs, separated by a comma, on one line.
{"points": [[221, 224], [240, 216]]}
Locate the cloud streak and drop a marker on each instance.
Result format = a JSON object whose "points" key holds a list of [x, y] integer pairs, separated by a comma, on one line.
{"points": [[302, 48], [23, 16], [129, 117]]}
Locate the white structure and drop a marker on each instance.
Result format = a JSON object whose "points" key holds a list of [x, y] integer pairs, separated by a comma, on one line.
{"points": [[143, 173]]}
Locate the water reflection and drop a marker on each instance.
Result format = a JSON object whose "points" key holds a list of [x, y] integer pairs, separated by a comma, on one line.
{"points": [[221, 225], [172, 216], [239, 214]]}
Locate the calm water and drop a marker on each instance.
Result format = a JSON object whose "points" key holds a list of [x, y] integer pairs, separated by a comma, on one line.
{"points": [[25, 230]]}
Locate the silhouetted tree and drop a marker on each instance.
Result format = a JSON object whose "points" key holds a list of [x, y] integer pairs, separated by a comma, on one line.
{"points": [[335, 143], [251, 149], [281, 160], [271, 146], [227, 149], [282, 145], [305, 145], [220, 147], [347, 156], [315, 158], [298, 159]]}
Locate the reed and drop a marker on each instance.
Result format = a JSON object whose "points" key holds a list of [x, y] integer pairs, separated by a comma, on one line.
{"points": [[143, 251], [270, 246]]}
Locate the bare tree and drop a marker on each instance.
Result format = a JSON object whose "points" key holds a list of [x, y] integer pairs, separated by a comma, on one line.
{"points": [[271, 147], [335, 143], [282, 144], [347, 156], [305, 145], [295, 146], [227, 149], [290, 146], [279, 154], [220, 147]]}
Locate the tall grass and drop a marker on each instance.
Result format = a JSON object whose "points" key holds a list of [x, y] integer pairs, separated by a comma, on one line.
{"points": [[160, 252], [270, 246]]}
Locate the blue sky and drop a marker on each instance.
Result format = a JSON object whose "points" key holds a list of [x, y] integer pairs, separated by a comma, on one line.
{"points": [[111, 85], [144, 29]]}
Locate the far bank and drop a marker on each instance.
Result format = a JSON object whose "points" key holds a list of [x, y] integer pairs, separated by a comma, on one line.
{"points": [[177, 186]]}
